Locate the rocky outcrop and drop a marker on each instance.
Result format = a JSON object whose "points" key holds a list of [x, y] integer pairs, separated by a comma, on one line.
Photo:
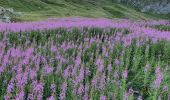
{"points": [[7, 14], [155, 6]]}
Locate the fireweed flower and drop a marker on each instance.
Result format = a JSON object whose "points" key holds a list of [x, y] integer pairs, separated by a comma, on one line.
{"points": [[32, 74], [7, 97], [63, 91], [59, 68], [81, 89], [105, 52], [53, 88], [20, 96], [74, 70], [28, 53], [77, 61], [10, 87], [154, 39], [25, 61], [127, 41], [51, 98], [53, 48], [146, 68], [124, 74], [64, 86], [87, 71], [102, 82], [125, 96], [44, 60], [1, 70], [98, 61], [139, 97], [19, 69], [48, 70], [87, 46], [92, 40], [21, 79], [39, 96], [159, 77], [66, 72], [6, 59], [75, 89], [109, 67], [118, 37], [16, 52], [165, 88], [87, 88], [58, 57], [81, 75], [131, 91], [102, 97], [38, 90], [30, 96], [85, 97], [139, 43], [62, 96], [14, 68], [169, 97], [100, 65], [116, 75], [94, 81], [117, 62]]}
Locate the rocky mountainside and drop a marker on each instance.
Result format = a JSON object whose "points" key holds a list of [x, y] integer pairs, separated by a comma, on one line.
{"points": [[155, 6]]}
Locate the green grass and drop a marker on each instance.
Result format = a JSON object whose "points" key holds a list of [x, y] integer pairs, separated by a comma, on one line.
{"points": [[43, 9], [162, 27]]}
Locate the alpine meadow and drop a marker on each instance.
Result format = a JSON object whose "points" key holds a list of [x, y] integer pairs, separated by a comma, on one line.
{"points": [[84, 50]]}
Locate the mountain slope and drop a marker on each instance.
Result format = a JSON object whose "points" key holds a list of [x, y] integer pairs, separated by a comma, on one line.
{"points": [[42, 9]]}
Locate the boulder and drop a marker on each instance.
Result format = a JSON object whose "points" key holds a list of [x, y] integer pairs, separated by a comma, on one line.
{"points": [[6, 14]]}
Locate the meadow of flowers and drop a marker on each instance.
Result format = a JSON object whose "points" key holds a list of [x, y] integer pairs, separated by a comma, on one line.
{"points": [[84, 59]]}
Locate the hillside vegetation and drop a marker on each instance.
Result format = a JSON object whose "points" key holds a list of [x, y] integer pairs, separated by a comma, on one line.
{"points": [[42, 9]]}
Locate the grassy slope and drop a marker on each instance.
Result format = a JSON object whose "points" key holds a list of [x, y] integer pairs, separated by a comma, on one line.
{"points": [[42, 9]]}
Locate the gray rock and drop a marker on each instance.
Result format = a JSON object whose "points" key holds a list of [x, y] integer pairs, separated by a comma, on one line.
{"points": [[155, 6], [165, 9], [7, 14]]}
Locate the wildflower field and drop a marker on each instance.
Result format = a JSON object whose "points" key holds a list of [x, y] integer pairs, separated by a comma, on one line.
{"points": [[85, 59]]}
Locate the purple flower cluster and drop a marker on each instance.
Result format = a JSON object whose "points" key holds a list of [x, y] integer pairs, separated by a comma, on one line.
{"points": [[82, 63], [159, 77]]}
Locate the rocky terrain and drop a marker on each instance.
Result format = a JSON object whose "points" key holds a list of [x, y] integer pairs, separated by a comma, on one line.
{"points": [[6, 14], [155, 6]]}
